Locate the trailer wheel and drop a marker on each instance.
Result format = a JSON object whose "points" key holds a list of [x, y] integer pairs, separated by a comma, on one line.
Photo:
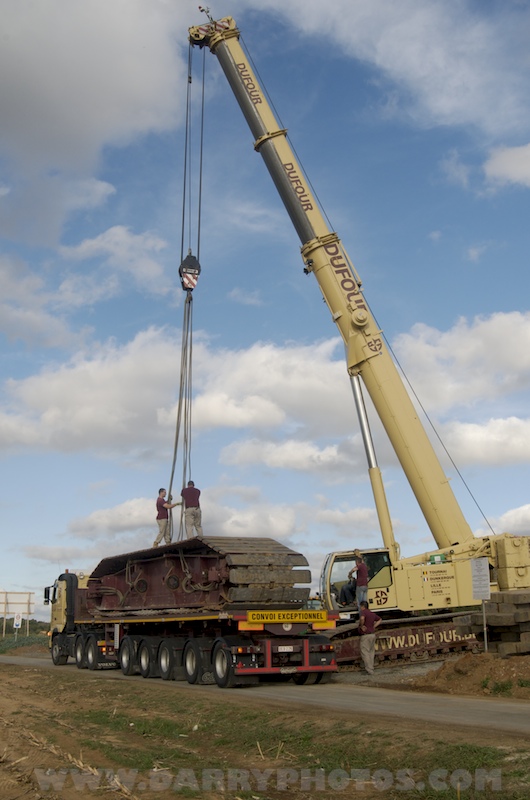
{"points": [[306, 678], [146, 660], [166, 660], [126, 656], [223, 670], [192, 661], [92, 653], [80, 658], [58, 657]]}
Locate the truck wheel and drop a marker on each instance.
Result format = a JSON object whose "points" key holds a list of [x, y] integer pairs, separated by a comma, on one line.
{"points": [[306, 678], [58, 657], [146, 661], [192, 661], [80, 659], [166, 660], [92, 653], [126, 656], [223, 671]]}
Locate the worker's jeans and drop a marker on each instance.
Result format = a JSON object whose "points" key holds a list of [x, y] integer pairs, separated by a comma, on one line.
{"points": [[361, 593], [164, 532], [368, 651], [192, 519]]}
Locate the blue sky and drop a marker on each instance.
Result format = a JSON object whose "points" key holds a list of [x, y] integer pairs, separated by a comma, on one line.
{"points": [[412, 120]]}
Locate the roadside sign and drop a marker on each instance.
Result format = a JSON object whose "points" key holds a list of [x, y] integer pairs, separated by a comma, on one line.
{"points": [[480, 575], [17, 621]]}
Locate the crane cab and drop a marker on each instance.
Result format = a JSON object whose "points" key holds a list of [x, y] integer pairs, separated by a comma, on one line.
{"points": [[334, 576]]}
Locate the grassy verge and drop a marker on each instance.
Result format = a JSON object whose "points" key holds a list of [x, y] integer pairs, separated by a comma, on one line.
{"points": [[182, 739], [11, 642]]}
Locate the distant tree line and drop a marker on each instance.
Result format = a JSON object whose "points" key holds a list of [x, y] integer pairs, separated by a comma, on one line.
{"points": [[35, 626]]}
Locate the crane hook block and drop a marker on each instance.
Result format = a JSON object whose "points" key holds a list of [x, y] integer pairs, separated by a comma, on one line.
{"points": [[189, 272]]}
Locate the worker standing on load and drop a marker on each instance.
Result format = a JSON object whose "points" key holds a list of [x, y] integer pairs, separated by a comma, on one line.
{"points": [[192, 514], [162, 518]]}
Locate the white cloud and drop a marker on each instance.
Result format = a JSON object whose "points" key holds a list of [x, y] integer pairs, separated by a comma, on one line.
{"points": [[80, 77], [494, 442], [475, 252], [27, 308], [36, 207], [246, 298], [472, 361], [124, 251], [301, 456], [267, 384], [515, 521], [455, 171], [217, 408], [132, 515], [120, 399], [107, 72], [449, 63], [103, 401], [509, 165], [123, 397]]}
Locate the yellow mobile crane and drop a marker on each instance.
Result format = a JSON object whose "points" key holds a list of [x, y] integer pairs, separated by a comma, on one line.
{"points": [[431, 581]]}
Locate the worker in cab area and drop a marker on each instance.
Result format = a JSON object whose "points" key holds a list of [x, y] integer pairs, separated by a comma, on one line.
{"points": [[192, 510]]}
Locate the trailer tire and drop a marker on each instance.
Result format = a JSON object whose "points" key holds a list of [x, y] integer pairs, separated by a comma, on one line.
{"points": [[192, 661], [146, 660], [58, 657], [79, 650], [306, 678], [127, 656], [166, 660], [223, 670], [92, 653]]}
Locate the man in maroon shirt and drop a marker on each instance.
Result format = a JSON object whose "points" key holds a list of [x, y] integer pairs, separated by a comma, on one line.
{"points": [[162, 518], [368, 622], [361, 590], [192, 514]]}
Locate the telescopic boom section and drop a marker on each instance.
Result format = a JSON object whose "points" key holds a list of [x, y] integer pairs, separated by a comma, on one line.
{"points": [[324, 255]]}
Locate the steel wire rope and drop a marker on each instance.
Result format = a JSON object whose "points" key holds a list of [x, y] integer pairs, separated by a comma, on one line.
{"points": [[184, 406]]}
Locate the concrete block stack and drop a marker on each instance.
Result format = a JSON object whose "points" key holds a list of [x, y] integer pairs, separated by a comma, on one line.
{"points": [[507, 622]]}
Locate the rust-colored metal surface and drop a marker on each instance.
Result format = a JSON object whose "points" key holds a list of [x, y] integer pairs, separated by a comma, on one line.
{"points": [[211, 573], [420, 640]]}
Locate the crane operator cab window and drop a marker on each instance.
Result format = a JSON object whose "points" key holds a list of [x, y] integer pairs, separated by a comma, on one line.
{"points": [[339, 566]]}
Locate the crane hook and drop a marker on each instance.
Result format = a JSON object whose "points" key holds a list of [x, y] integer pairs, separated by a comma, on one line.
{"points": [[189, 272]]}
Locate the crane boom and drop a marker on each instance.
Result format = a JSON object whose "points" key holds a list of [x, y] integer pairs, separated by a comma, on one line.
{"points": [[324, 255]]}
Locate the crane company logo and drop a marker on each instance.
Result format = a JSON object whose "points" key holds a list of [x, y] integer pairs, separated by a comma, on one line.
{"points": [[342, 271], [298, 187], [249, 84]]}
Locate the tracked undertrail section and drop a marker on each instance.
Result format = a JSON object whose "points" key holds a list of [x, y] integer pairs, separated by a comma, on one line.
{"points": [[408, 639], [213, 573]]}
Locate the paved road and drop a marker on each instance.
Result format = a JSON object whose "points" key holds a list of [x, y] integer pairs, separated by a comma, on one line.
{"points": [[365, 701]]}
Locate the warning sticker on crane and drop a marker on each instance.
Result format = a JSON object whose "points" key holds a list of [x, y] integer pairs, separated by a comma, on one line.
{"points": [[189, 281]]}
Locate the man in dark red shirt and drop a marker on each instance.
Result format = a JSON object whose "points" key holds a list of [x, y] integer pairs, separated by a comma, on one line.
{"points": [[368, 622], [192, 514], [361, 589], [162, 518]]}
